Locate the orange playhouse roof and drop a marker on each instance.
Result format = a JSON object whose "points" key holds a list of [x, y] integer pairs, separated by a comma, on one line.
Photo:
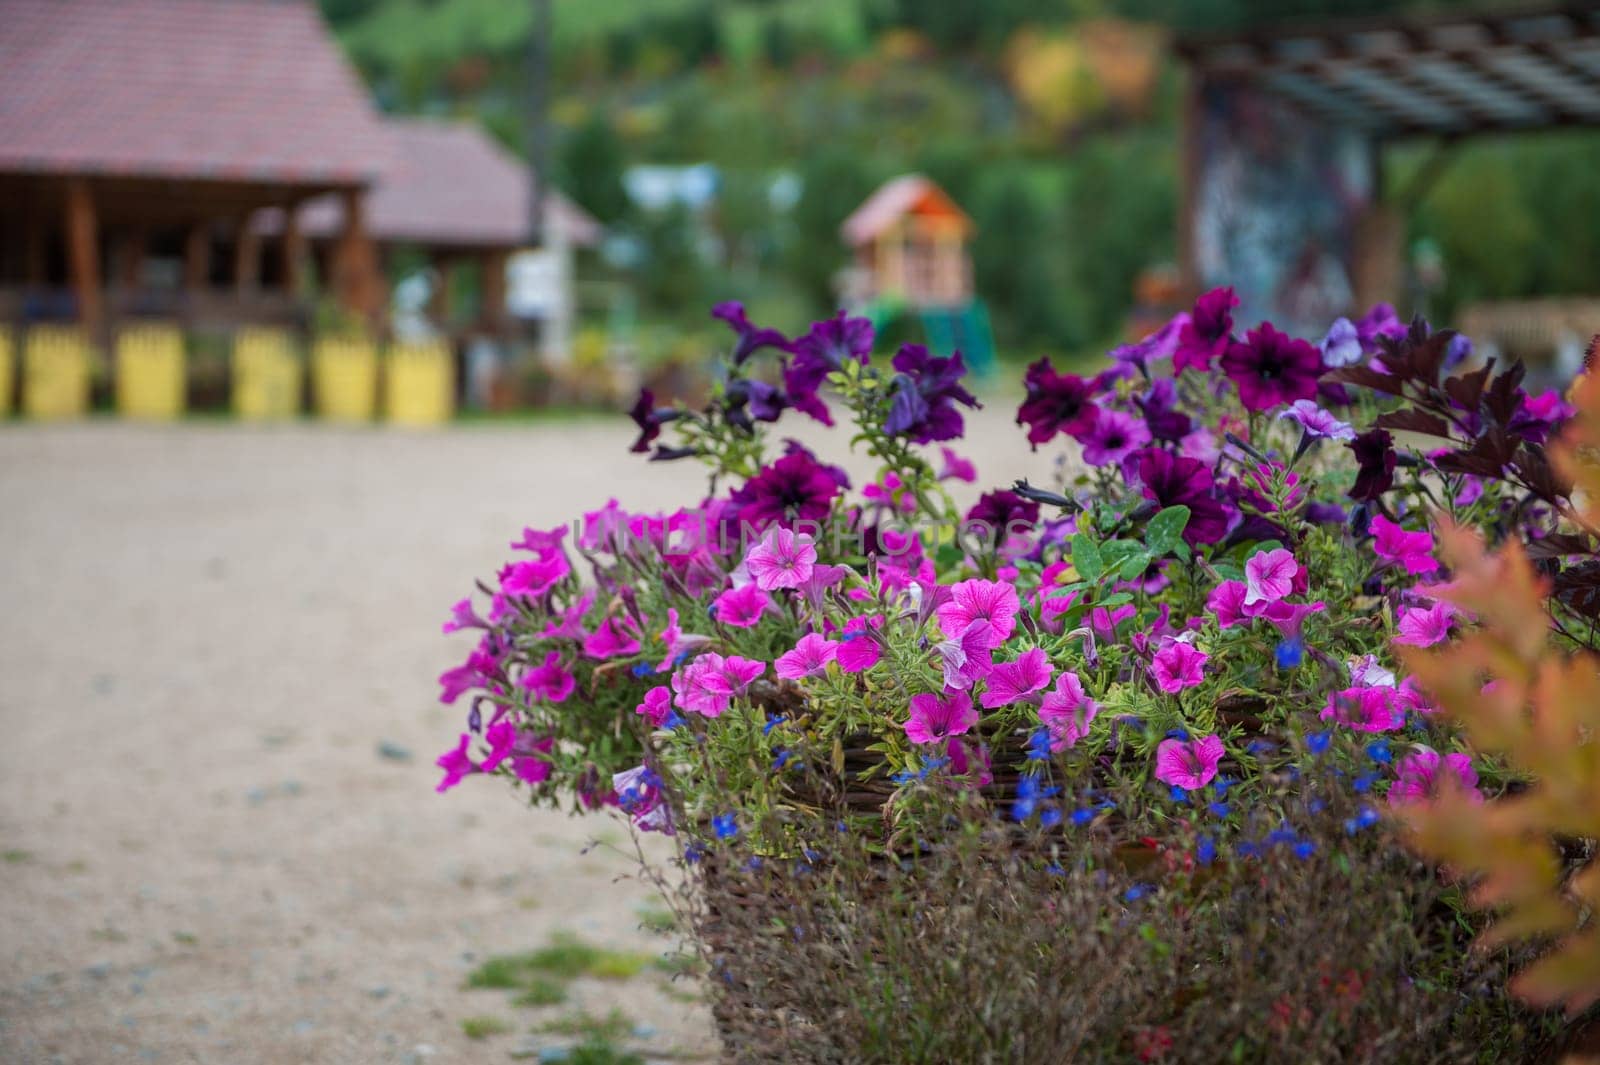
{"points": [[896, 198]]}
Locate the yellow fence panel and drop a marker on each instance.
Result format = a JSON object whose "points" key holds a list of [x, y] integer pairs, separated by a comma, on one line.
{"points": [[55, 373], [8, 371], [419, 384], [150, 377], [344, 378], [266, 375]]}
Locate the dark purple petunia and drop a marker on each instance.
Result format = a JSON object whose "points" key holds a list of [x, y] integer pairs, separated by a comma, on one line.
{"points": [[1173, 480], [927, 390], [748, 401], [1208, 332], [1154, 348], [1159, 405], [649, 418], [1055, 403], [999, 509], [822, 350], [795, 487], [751, 338], [1374, 451], [1271, 369], [1380, 321]]}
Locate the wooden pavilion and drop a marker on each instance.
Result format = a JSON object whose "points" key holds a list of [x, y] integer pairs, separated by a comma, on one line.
{"points": [[139, 137], [910, 244], [1284, 131]]}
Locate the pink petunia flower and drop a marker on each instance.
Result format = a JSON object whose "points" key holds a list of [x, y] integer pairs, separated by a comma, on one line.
{"points": [[742, 607], [1289, 617], [967, 659], [462, 616], [991, 602], [1423, 774], [1177, 666], [1269, 576], [1226, 601], [548, 681], [1012, 682], [1317, 422], [657, 706], [1412, 550], [809, 658], [709, 683], [570, 625], [1188, 764], [456, 764], [1066, 711], [1375, 709], [528, 759], [540, 541], [956, 468], [937, 717], [971, 763], [501, 737], [609, 641], [782, 559], [478, 671], [1425, 626], [534, 577]]}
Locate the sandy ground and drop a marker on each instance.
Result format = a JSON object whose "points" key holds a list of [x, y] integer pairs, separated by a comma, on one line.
{"points": [[206, 634]]}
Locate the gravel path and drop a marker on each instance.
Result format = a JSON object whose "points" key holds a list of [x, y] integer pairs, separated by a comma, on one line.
{"points": [[218, 647]]}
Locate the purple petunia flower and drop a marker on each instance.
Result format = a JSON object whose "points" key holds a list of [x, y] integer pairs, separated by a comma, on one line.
{"points": [[927, 390], [1342, 346], [1172, 480], [1113, 437], [1208, 332], [1374, 453], [751, 338], [999, 509], [1411, 550], [1055, 403], [1159, 405], [937, 717], [809, 658], [1317, 422], [794, 488], [1425, 626], [1012, 682], [1159, 345], [994, 603], [820, 351], [456, 764], [1270, 368], [1177, 666], [1066, 712], [1188, 764], [649, 418]]}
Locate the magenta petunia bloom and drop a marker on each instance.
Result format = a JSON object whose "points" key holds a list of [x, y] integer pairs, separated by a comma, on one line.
{"points": [[794, 488], [1177, 666], [1425, 626], [1271, 368], [1113, 437], [479, 670], [742, 607], [1156, 346], [1316, 422], [1208, 331], [1425, 773], [1012, 682], [1412, 550], [534, 577], [936, 717], [990, 602], [530, 761], [1375, 709], [956, 468], [548, 681], [1055, 403], [1269, 576], [809, 658], [782, 559], [456, 764], [462, 616], [1066, 711], [657, 706], [610, 640], [1288, 617], [1174, 480], [707, 684], [859, 649], [1188, 764], [540, 541], [1226, 602], [967, 658]]}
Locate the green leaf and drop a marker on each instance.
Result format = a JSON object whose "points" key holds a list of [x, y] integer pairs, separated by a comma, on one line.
{"points": [[1135, 564], [1086, 557], [1164, 532]]}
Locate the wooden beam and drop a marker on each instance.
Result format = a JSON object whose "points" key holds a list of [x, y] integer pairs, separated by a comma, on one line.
{"points": [[293, 250], [83, 253], [493, 287], [197, 258], [246, 254], [357, 283]]}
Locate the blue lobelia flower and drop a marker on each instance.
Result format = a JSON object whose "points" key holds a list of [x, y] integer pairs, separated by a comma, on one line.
{"points": [[725, 826]]}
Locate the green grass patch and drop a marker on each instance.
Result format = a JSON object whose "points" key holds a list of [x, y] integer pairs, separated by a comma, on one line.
{"points": [[614, 1025], [13, 856], [541, 991], [483, 1027], [657, 919]]}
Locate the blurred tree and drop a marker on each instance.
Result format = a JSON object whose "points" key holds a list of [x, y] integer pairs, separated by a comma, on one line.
{"points": [[591, 165], [835, 182], [673, 277], [1018, 261]]}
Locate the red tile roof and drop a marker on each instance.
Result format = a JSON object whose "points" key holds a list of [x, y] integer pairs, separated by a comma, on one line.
{"points": [[895, 198], [243, 90], [451, 184]]}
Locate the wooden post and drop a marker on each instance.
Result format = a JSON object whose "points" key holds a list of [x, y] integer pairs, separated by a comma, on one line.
{"points": [[493, 282], [356, 282], [197, 259], [444, 269], [130, 257], [293, 251], [246, 254], [83, 253]]}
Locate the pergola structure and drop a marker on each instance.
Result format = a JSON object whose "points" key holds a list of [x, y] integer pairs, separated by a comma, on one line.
{"points": [[1318, 101], [137, 139]]}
